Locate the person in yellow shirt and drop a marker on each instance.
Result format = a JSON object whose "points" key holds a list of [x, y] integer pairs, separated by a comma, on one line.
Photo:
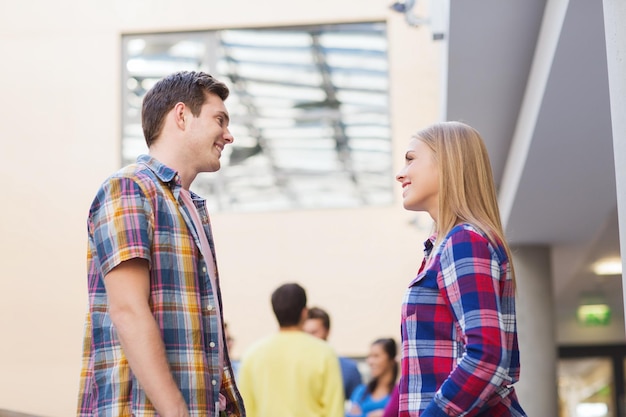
{"points": [[291, 373]]}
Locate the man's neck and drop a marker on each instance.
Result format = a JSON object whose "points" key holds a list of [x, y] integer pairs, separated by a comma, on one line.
{"points": [[161, 154], [296, 328]]}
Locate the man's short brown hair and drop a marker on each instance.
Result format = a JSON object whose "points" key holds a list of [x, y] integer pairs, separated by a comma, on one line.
{"points": [[189, 87]]}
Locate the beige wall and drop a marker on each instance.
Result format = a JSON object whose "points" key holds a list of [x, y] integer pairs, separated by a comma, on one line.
{"points": [[59, 138]]}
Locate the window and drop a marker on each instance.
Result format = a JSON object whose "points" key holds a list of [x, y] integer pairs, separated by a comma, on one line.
{"points": [[308, 105]]}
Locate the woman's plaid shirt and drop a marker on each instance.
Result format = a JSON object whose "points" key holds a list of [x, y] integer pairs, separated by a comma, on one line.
{"points": [[137, 213], [459, 340]]}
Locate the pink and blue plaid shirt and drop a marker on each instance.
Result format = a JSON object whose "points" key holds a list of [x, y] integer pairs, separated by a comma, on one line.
{"points": [[138, 213], [459, 339]]}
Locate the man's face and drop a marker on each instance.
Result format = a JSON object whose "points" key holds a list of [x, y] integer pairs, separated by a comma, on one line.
{"points": [[208, 134], [316, 328]]}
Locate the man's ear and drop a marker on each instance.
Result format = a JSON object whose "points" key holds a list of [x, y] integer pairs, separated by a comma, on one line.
{"points": [[180, 114], [304, 315]]}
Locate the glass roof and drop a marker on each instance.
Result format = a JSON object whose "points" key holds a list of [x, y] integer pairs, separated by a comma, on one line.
{"points": [[308, 106]]}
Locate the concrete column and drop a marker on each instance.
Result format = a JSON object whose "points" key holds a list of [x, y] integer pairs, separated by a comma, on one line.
{"points": [[615, 35], [537, 389]]}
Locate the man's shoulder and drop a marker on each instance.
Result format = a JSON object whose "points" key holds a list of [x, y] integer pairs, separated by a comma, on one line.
{"points": [[348, 363], [129, 185], [133, 175], [258, 347], [349, 368], [320, 349], [137, 172], [300, 341], [316, 343]]}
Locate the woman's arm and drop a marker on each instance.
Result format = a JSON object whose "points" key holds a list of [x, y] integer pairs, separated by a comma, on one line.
{"points": [[470, 282]]}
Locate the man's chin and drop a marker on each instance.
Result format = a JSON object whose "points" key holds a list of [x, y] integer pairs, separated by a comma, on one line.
{"points": [[213, 167]]}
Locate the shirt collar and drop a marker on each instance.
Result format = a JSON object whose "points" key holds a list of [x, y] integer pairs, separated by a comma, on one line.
{"points": [[163, 172], [429, 243]]}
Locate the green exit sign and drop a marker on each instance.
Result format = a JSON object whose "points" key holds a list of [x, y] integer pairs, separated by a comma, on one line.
{"points": [[594, 314]]}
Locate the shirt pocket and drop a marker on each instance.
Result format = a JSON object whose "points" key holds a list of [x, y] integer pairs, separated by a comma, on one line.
{"points": [[422, 294], [426, 279]]}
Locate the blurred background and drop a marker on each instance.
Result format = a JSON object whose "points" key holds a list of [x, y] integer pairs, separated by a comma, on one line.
{"points": [[324, 98]]}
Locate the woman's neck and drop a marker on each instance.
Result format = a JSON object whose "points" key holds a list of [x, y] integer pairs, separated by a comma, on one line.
{"points": [[383, 385]]}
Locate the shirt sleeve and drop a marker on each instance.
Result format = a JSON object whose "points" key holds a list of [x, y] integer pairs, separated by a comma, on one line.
{"points": [[392, 409], [355, 399], [470, 284], [350, 375], [244, 382], [120, 223], [234, 407], [332, 395]]}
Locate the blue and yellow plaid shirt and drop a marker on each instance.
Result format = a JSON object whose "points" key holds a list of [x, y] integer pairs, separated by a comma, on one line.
{"points": [[138, 213]]}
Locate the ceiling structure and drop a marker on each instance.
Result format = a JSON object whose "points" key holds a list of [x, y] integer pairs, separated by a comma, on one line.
{"points": [[531, 76], [308, 106]]}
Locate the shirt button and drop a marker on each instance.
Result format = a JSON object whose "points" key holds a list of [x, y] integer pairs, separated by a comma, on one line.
{"points": [[209, 307], [212, 344], [214, 382], [204, 269]]}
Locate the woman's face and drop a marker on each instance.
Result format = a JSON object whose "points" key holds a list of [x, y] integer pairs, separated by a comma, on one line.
{"points": [[378, 361], [420, 179]]}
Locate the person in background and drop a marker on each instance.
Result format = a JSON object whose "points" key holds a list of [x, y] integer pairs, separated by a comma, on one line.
{"points": [[154, 339], [291, 373], [318, 325], [230, 342], [392, 409], [460, 353], [370, 400]]}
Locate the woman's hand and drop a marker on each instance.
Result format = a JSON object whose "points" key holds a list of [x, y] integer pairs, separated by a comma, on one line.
{"points": [[354, 410]]}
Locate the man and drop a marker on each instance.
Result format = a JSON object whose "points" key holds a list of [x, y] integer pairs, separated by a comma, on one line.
{"points": [[318, 324], [291, 374], [230, 342], [154, 340]]}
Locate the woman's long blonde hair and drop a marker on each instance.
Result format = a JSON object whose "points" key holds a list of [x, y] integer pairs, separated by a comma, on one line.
{"points": [[467, 193]]}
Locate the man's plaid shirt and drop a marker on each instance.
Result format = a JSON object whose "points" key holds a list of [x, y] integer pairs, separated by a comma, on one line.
{"points": [[138, 213]]}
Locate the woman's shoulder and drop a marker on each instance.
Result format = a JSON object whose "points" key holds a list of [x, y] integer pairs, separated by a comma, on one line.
{"points": [[360, 388], [465, 238], [358, 392], [463, 233], [466, 230]]}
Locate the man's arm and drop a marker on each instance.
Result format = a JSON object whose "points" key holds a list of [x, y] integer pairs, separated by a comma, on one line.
{"points": [[245, 384], [332, 395], [128, 291]]}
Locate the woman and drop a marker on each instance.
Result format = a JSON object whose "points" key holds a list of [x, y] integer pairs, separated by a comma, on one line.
{"points": [[370, 400], [459, 340]]}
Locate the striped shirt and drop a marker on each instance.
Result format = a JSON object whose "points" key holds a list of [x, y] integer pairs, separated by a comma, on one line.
{"points": [[459, 340], [139, 213]]}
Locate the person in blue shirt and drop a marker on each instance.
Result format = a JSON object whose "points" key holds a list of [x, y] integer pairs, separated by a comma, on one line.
{"points": [[370, 400], [318, 324]]}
